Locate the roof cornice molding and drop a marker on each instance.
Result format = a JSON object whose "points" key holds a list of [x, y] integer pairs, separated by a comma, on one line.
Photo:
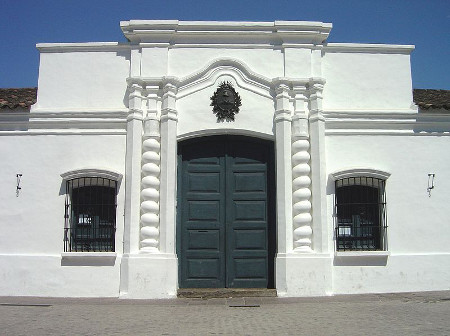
{"points": [[89, 46], [369, 48], [227, 32], [396, 122]]}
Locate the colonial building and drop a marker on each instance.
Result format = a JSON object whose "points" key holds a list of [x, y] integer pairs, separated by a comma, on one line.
{"points": [[224, 155]]}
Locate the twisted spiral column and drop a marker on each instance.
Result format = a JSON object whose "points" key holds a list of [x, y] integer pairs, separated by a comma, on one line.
{"points": [[301, 169], [150, 195], [301, 195], [150, 174]]}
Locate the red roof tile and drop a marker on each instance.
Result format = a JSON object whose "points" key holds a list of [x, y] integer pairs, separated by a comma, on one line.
{"points": [[17, 98], [432, 99]]}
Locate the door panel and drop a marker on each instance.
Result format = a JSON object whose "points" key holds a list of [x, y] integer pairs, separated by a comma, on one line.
{"points": [[202, 232], [226, 213], [247, 236]]}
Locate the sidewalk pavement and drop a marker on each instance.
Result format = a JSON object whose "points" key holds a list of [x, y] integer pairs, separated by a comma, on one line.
{"points": [[425, 313]]}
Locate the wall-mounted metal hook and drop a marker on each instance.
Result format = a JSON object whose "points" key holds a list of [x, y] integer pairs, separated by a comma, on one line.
{"points": [[430, 184], [18, 187]]}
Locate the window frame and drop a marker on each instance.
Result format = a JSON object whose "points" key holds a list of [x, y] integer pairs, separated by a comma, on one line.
{"points": [[362, 177], [85, 178]]}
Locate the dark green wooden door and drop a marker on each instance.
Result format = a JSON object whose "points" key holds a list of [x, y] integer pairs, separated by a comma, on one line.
{"points": [[225, 212]]}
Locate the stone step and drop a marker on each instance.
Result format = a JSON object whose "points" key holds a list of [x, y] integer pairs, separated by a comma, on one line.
{"points": [[210, 293]]}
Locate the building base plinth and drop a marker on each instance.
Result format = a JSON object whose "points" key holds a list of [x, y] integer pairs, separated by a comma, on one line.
{"points": [[149, 276], [303, 274]]}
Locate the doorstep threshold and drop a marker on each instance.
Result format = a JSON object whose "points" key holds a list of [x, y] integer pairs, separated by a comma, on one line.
{"points": [[213, 293]]}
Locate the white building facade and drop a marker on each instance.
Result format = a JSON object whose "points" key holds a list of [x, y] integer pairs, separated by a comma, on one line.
{"points": [[122, 181]]}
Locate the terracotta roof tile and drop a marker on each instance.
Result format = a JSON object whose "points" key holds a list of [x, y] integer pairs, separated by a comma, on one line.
{"points": [[432, 99], [17, 98]]}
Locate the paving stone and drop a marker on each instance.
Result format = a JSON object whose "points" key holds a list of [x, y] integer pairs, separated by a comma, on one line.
{"points": [[381, 314]]}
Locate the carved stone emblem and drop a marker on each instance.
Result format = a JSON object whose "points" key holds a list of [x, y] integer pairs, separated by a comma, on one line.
{"points": [[225, 102]]}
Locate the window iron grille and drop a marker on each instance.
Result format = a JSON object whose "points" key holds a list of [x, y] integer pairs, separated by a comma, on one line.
{"points": [[90, 215], [360, 214]]}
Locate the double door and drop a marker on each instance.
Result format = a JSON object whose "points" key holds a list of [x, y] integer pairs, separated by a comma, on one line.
{"points": [[225, 213]]}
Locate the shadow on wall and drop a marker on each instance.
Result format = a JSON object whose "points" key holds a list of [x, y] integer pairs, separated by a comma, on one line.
{"points": [[18, 120], [373, 260], [88, 261], [431, 121]]}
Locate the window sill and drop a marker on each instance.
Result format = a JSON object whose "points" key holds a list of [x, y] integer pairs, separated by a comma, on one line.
{"points": [[88, 258], [362, 254], [361, 258]]}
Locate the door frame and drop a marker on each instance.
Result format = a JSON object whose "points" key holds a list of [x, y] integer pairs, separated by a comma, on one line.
{"points": [[271, 197]]}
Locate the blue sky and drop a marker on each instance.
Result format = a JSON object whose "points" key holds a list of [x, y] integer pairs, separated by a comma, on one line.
{"points": [[424, 23]]}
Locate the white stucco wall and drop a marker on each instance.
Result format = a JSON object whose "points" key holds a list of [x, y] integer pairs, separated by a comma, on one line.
{"points": [[255, 116], [82, 79], [31, 238], [267, 62], [363, 80], [418, 227]]}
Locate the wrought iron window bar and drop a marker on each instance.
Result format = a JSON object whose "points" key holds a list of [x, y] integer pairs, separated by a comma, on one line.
{"points": [[90, 215], [360, 214]]}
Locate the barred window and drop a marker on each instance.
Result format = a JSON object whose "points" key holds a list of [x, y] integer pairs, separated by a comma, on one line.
{"points": [[90, 215], [360, 214]]}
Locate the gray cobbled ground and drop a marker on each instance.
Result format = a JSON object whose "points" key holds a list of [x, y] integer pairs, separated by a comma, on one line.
{"points": [[376, 314]]}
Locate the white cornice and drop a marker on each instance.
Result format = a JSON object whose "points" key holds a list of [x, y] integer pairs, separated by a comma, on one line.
{"points": [[388, 122], [63, 122], [89, 46], [37, 132], [82, 111], [369, 48], [224, 32]]}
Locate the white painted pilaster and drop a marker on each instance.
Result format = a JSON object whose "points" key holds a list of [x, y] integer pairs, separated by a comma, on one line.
{"points": [[283, 166], [169, 119], [133, 170], [151, 271], [318, 169]]}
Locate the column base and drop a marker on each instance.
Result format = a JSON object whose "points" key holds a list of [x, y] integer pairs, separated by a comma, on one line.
{"points": [[308, 274], [149, 276]]}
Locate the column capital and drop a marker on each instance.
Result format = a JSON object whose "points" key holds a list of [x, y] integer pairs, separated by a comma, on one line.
{"points": [[299, 89], [135, 87], [135, 98], [300, 102], [153, 97], [316, 102], [169, 100], [283, 106]]}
